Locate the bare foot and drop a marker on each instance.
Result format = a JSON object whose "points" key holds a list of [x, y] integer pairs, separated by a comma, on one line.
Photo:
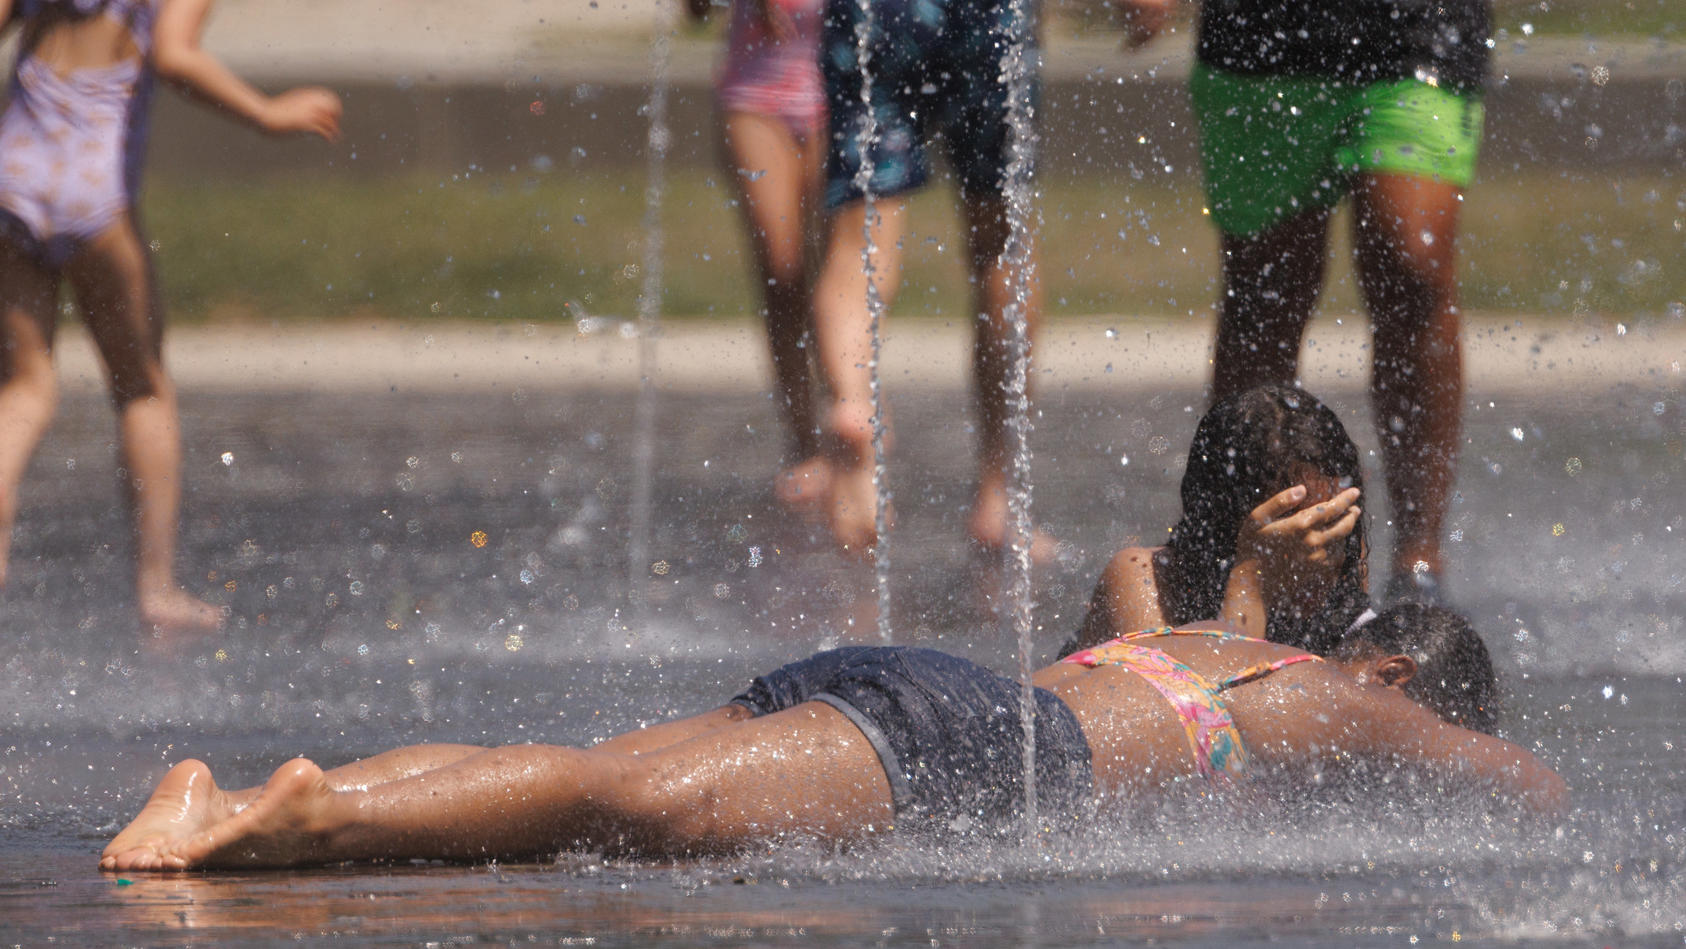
{"points": [[803, 487], [173, 610], [189, 823], [990, 528], [183, 803], [852, 511], [852, 501]]}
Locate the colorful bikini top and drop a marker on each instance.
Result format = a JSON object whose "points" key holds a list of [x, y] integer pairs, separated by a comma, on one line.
{"points": [[1218, 749]]}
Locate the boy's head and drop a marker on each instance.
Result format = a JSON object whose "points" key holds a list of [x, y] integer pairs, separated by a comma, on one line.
{"points": [[1434, 656]]}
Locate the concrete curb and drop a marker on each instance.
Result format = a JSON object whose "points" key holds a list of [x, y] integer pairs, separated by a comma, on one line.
{"points": [[1512, 356]]}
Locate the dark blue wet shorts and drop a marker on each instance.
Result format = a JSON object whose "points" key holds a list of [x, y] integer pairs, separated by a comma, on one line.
{"points": [[936, 77], [947, 731]]}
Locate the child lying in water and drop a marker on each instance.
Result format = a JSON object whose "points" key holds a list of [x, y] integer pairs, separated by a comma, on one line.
{"points": [[860, 742]]}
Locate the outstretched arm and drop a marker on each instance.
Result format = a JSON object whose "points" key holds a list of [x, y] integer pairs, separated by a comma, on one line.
{"points": [[1407, 731], [179, 60]]}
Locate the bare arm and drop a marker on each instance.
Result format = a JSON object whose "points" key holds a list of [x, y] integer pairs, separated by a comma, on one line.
{"points": [[1402, 729], [1126, 599], [179, 60], [5, 14]]}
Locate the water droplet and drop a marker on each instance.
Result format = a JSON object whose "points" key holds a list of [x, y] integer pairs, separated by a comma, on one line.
{"points": [[1572, 466], [1427, 237], [1124, 461], [227, 459], [1558, 530], [1517, 433]]}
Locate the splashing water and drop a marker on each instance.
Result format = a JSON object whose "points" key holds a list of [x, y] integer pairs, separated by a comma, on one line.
{"points": [[1020, 192], [649, 319], [867, 138]]}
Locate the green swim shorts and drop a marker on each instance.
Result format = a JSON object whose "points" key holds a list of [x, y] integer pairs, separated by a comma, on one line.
{"points": [[1277, 145]]}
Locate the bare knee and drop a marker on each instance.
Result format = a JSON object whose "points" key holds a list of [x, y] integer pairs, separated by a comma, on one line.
{"points": [[143, 379], [31, 369]]}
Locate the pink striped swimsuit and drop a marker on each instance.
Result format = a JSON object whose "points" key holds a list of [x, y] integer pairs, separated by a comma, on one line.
{"points": [[765, 76], [71, 147]]}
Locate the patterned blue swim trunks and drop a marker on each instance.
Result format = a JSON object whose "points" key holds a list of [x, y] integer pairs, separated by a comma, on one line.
{"points": [[936, 68]]}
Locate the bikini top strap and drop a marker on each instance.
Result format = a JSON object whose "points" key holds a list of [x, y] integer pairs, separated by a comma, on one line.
{"points": [[1259, 671]]}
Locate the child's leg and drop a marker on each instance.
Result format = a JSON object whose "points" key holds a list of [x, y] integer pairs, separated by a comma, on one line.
{"points": [[804, 771], [1407, 229], [843, 330], [387, 766], [1271, 281], [28, 390], [998, 286], [411, 760], [777, 176], [111, 275]]}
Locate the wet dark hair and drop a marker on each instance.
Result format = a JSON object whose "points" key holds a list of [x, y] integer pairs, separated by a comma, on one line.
{"points": [[1455, 677], [1247, 448]]}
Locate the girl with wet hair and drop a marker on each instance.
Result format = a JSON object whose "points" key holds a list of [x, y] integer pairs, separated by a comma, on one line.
{"points": [[1271, 487]]}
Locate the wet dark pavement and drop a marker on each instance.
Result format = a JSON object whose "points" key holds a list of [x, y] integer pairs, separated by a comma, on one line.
{"points": [[429, 564]]}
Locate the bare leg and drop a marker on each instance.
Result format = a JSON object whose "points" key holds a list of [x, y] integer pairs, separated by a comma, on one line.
{"points": [[987, 232], [379, 769], [412, 760], [778, 177], [843, 330], [28, 390], [804, 771], [1270, 285], [112, 279], [1407, 267]]}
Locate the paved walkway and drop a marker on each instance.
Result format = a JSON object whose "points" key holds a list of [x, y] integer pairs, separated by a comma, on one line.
{"points": [[1503, 355]]}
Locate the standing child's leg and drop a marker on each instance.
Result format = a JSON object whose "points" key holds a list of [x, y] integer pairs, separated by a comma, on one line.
{"points": [[1407, 268], [997, 295], [843, 330], [111, 275], [778, 176], [28, 390]]}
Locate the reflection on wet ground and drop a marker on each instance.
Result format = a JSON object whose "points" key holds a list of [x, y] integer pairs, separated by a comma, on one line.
{"points": [[403, 567]]}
